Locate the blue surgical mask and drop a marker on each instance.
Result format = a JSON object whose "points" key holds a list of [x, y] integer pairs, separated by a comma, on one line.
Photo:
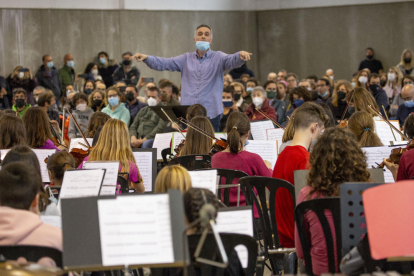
{"points": [[228, 103], [49, 64], [113, 101], [70, 63], [202, 45], [247, 142], [102, 60], [298, 102], [53, 199], [249, 89], [324, 94], [353, 84], [409, 104]]}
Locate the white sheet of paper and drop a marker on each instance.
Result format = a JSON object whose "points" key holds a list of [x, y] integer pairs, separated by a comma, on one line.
{"points": [[3, 153], [162, 141], [384, 132], [177, 138], [206, 179], [81, 183], [74, 143], [42, 154], [266, 149], [111, 175], [376, 155], [144, 164], [275, 134], [239, 222], [52, 220], [258, 129], [135, 230]]}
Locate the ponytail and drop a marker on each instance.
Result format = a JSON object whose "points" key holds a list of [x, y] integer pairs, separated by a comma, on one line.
{"points": [[237, 126], [234, 140], [361, 124]]}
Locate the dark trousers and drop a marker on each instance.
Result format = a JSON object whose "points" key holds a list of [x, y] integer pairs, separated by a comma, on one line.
{"points": [[215, 122]]}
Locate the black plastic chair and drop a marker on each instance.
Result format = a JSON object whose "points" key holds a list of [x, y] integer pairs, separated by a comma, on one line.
{"points": [[123, 181], [319, 206], [165, 153], [192, 162], [31, 253], [229, 176], [267, 217]]}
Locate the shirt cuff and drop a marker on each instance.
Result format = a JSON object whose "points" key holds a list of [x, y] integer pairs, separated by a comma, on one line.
{"points": [[149, 60]]}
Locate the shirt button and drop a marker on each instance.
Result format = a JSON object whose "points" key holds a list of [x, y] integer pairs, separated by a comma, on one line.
{"points": [[198, 79]]}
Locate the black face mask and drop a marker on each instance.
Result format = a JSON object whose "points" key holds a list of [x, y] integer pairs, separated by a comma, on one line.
{"points": [[370, 57], [407, 60], [20, 103], [129, 97], [126, 62], [341, 95], [97, 103], [236, 97], [122, 89], [383, 82], [374, 88]]}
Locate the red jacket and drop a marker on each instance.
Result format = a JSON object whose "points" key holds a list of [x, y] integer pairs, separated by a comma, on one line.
{"points": [[253, 115]]}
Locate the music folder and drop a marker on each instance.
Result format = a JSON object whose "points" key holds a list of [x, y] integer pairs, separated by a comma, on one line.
{"points": [[174, 112]]}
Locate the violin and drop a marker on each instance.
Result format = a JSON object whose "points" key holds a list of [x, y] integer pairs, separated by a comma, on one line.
{"points": [[180, 146], [57, 139]]}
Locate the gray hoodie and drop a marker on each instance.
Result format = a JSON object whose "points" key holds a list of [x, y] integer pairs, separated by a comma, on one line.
{"points": [[83, 120]]}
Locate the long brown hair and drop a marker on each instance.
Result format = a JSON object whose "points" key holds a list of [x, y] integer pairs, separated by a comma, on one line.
{"points": [[237, 126], [12, 132], [37, 127], [362, 99], [97, 120], [58, 163], [348, 87], [361, 124], [336, 158], [360, 85], [289, 130], [195, 142]]}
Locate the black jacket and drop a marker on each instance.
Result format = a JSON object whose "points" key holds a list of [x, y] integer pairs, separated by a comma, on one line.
{"points": [[49, 82], [119, 75]]}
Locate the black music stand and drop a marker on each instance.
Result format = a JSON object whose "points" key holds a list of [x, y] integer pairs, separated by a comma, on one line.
{"points": [[174, 112]]}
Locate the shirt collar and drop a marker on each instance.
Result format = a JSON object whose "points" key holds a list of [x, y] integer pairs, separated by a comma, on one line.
{"points": [[206, 55]]}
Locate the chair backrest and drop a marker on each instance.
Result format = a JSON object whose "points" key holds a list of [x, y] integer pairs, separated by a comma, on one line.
{"points": [[267, 215], [318, 206], [164, 154], [123, 179], [192, 162], [353, 224], [229, 176], [31, 253]]}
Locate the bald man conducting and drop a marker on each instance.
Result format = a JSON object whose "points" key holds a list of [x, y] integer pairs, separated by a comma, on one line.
{"points": [[67, 73], [407, 94]]}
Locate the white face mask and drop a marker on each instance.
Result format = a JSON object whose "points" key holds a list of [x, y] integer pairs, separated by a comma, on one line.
{"points": [[391, 76], [81, 107], [363, 79], [94, 72], [20, 75], [151, 102], [257, 101]]}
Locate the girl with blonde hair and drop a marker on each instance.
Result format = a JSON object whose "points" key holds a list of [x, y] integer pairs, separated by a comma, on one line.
{"points": [[362, 125], [113, 145], [362, 78], [97, 100], [406, 65], [173, 177], [394, 84]]}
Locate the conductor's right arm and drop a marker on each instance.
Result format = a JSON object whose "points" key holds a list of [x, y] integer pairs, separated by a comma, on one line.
{"points": [[161, 64]]}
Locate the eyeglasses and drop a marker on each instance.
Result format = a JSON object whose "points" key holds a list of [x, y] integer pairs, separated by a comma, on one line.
{"points": [[408, 82]]}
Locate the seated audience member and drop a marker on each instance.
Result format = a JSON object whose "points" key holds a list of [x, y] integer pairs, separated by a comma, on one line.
{"points": [[362, 79], [281, 75], [378, 93], [46, 102], [235, 157], [397, 99], [88, 87], [309, 121], [67, 73], [274, 97], [359, 100], [38, 132], [22, 78], [306, 84], [98, 119], [283, 94], [242, 98], [407, 94], [261, 102], [406, 65], [337, 103], [20, 101], [131, 103], [36, 93], [323, 87], [106, 68], [147, 123], [100, 86], [228, 77], [96, 100], [82, 115], [27, 156], [383, 79], [172, 177], [298, 96], [113, 145], [292, 81], [176, 93], [393, 86], [229, 105], [166, 89], [330, 73], [271, 89], [312, 79], [92, 74], [362, 126], [225, 84], [57, 164], [250, 84], [343, 161], [20, 223], [126, 72], [114, 108], [195, 142], [12, 132], [4, 101], [373, 65]]}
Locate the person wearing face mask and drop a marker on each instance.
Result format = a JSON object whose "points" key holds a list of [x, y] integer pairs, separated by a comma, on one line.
{"points": [[67, 73], [378, 93], [330, 73], [261, 102], [394, 83], [96, 100], [115, 108], [407, 94], [46, 102], [374, 65], [106, 68], [362, 79], [279, 105], [89, 87], [48, 77], [147, 123], [298, 96], [201, 72], [228, 106], [22, 78], [82, 114], [20, 101], [250, 84], [126, 72], [132, 104], [337, 102], [323, 87], [166, 88], [398, 99], [238, 92], [406, 65]]}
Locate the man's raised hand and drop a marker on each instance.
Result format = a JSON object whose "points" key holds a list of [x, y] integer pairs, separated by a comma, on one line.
{"points": [[245, 55], [139, 57]]}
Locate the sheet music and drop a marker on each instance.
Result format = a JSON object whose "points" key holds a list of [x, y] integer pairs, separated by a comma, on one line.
{"points": [[135, 230], [266, 149], [42, 154], [258, 129], [375, 155], [383, 130], [52, 220], [177, 138], [275, 134], [144, 163], [239, 222], [74, 143], [162, 141], [206, 179], [111, 175], [3, 153]]}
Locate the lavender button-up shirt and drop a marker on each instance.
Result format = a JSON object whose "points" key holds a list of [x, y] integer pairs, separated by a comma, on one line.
{"points": [[201, 78]]}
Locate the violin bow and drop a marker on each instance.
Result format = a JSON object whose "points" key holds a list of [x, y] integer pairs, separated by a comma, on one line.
{"points": [[347, 105], [58, 137], [391, 125], [172, 122], [386, 116], [267, 117], [78, 127], [182, 120]]}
